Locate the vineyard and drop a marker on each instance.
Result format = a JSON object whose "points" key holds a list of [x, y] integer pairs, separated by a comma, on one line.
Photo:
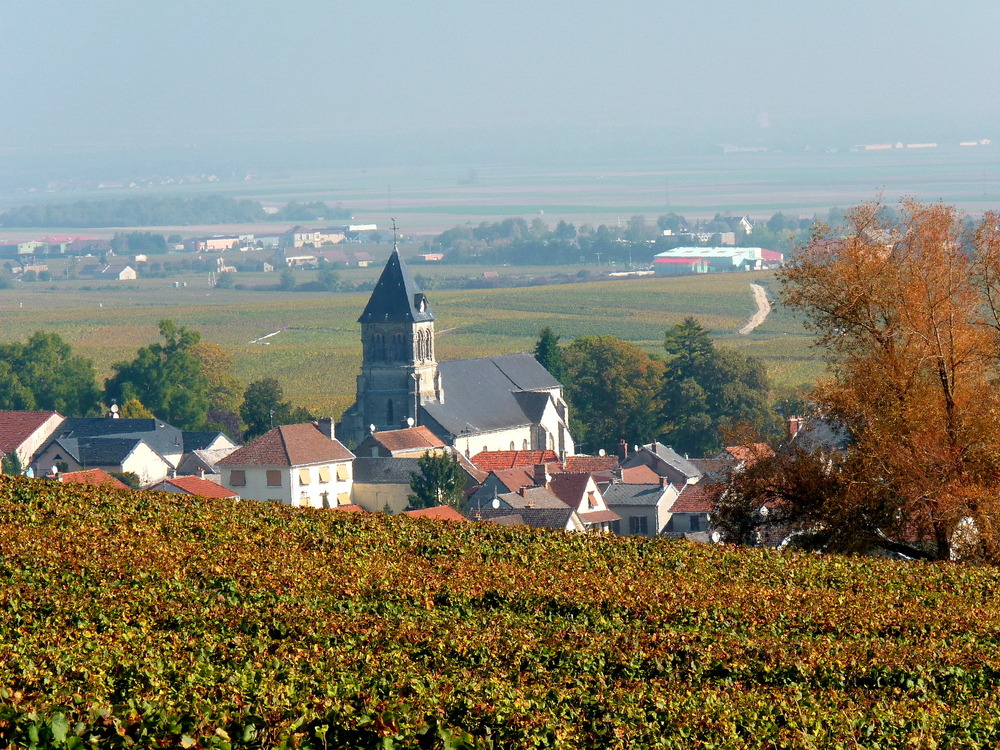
{"points": [[150, 620]]}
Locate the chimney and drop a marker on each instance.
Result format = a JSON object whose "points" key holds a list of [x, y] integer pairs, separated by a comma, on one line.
{"points": [[325, 425], [664, 483], [794, 423], [201, 472], [541, 475], [622, 450], [520, 491]]}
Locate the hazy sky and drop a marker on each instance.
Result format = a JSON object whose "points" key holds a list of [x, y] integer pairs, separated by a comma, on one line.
{"points": [[481, 74]]}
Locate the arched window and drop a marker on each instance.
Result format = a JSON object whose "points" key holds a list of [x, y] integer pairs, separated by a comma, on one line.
{"points": [[378, 347], [512, 446], [390, 418], [398, 353], [524, 444]]}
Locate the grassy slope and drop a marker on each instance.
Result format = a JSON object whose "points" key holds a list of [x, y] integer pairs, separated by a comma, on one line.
{"points": [[147, 618], [317, 358]]}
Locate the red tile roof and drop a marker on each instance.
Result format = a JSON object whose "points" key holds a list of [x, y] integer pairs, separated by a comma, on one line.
{"points": [[698, 498], [18, 426], [349, 509], [412, 438], [93, 477], [494, 460], [200, 487], [289, 445], [750, 454], [570, 488], [590, 463], [439, 513], [640, 474]]}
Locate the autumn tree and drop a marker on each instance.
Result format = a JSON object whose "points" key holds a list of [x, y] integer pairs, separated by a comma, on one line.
{"points": [[613, 391], [906, 313]]}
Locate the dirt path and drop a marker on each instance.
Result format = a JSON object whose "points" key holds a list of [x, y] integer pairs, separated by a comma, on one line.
{"points": [[763, 308]]}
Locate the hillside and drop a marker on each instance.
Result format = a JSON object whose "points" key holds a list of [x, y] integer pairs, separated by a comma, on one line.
{"points": [[165, 621]]}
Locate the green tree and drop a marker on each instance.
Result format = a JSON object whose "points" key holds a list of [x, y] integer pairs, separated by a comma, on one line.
{"points": [[549, 355], [328, 279], [14, 396], [613, 391], [10, 465], [57, 379], [286, 280], [439, 481], [264, 408], [708, 390], [167, 378]]}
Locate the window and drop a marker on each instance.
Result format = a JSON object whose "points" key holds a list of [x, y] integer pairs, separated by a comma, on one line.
{"points": [[638, 525], [304, 501], [592, 500], [616, 527], [512, 445], [341, 472], [524, 445], [237, 478], [695, 523], [343, 498], [390, 417], [273, 478], [324, 474], [304, 477]]}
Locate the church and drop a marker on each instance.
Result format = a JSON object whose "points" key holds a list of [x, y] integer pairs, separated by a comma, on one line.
{"points": [[507, 402]]}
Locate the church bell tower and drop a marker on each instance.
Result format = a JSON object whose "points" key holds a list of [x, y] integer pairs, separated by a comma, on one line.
{"points": [[398, 371]]}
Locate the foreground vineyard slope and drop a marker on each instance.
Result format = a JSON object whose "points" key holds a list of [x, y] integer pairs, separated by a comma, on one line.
{"points": [[140, 619]]}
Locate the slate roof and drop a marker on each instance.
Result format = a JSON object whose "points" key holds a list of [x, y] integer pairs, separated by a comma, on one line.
{"points": [[92, 477], [18, 426], [539, 518], [438, 513], [164, 438], [698, 498], [200, 440], [533, 497], [384, 470], [666, 454], [480, 393], [412, 438], [289, 445], [633, 494], [205, 459], [102, 451], [198, 486], [493, 460], [396, 297]]}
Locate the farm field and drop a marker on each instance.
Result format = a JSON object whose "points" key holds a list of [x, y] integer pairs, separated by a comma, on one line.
{"points": [[151, 620], [317, 354]]}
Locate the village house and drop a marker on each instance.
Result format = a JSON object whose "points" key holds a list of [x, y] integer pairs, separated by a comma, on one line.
{"points": [[22, 433], [410, 442], [692, 511], [666, 462], [301, 465], [644, 508], [92, 478]]}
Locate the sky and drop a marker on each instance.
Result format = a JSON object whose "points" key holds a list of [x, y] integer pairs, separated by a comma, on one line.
{"points": [[506, 79]]}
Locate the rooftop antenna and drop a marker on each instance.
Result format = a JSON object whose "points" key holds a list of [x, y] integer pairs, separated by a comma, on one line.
{"points": [[394, 235]]}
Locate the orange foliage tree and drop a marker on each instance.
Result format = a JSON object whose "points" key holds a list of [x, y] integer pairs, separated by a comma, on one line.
{"points": [[907, 313]]}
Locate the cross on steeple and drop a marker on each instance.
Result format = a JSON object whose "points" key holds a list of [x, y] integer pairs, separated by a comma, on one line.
{"points": [[394, 234]]}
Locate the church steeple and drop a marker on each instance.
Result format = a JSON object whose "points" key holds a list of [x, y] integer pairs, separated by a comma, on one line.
{"points": [[396, 297]]}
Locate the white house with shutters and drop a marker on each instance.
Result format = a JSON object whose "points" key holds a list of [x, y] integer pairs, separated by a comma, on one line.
{"points": [[299, 464]]}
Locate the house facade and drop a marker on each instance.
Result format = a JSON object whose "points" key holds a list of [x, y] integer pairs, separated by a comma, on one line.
{"points": [[299, 465]]}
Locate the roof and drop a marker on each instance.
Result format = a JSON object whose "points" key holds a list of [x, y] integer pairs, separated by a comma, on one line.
{"points": [[348, 509], [200, 440], [18, 426], [384, 470], [438, 513], [92, 477], [569, 487], [533, 497], [590, 463], [633, 494], [289, 445], [557, 518], [599, 516], [521, 476], [493, 460], [698, 498], [750, 454], [411, 438], [396, 297], [714, 468], [200, 487], [480, 393], [640, 474], [668, 455], [164, 438], [101, 451]]}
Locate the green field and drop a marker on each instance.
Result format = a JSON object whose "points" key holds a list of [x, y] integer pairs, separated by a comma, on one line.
{"points": [[139, 619], [317, 354]]}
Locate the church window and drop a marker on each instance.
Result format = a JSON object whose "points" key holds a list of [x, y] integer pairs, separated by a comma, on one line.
{"points": [[524, 444], [390, 418], [512, 445], [398, 352]]}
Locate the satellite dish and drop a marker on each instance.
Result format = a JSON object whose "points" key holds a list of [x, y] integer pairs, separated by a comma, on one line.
{"points": [[495, 503], [114, 408], [602, 453], [409, 421], [371, 428]]}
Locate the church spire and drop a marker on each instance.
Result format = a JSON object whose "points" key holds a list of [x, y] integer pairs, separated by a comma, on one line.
{"points": [[396, 298]]}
